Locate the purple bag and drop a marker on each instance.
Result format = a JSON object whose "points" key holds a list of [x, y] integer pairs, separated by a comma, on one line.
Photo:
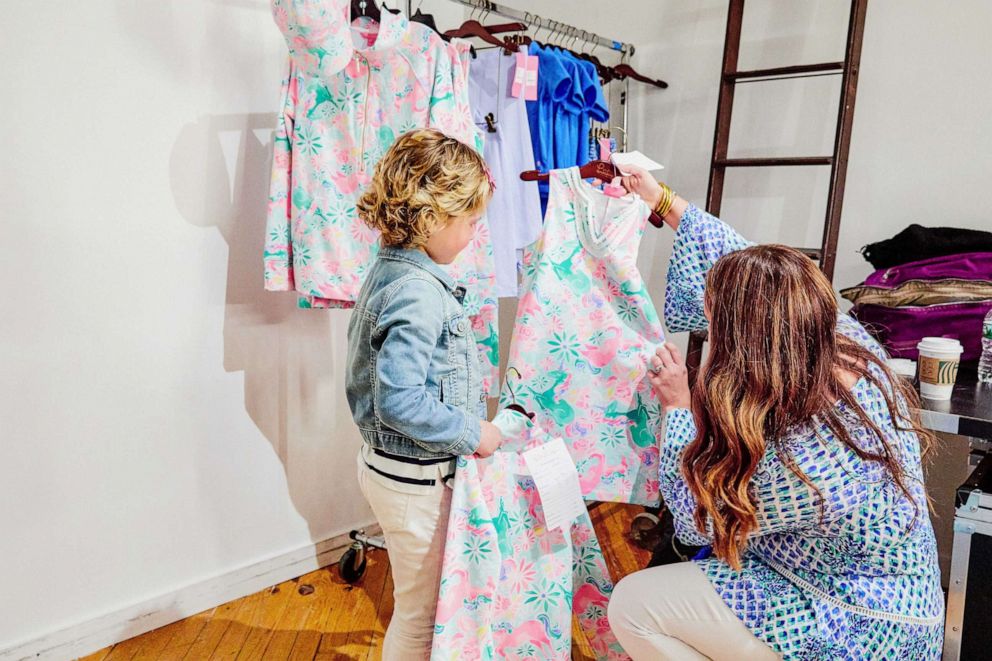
{"points": [[899, 329], [967, 266]]}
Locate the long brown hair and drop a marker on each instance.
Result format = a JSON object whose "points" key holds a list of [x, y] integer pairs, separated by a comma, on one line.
{"points": [[775, 360]]}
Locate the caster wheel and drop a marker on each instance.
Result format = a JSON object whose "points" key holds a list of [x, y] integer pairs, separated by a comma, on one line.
{"points": [[352, 565], [644, 530]]}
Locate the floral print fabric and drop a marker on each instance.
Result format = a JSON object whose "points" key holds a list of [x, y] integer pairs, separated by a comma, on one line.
{"points": [[509, 586], [585, 330], [851, 575], [343, 107]]}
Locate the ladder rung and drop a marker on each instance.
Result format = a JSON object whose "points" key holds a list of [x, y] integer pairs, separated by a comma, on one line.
{"points": [[812, 253], [796, 70], [769, 162]]}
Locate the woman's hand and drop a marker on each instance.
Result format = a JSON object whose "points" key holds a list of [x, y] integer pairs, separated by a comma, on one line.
{"points": [[669, 378], [641, 182]]}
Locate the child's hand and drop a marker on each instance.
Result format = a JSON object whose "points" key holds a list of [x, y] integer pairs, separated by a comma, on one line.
{"points": [[490, 440]]}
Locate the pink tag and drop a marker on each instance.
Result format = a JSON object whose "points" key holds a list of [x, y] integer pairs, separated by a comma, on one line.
{"points": [[525, 77], [613, 190], [530, 88], [605, 149], [519, 76]]}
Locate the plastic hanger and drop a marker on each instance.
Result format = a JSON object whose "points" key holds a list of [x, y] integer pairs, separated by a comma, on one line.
{"points": [[425, 19], [513, 395], [366, 8]]}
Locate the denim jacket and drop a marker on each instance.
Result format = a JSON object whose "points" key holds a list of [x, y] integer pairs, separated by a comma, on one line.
{"points": [[414, 382]]}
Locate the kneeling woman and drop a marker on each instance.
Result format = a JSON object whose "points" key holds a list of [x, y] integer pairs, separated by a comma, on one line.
{"points": [[796, 456]]}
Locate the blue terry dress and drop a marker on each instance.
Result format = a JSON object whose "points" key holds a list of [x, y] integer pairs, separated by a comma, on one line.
{"points": [[862, 582]]}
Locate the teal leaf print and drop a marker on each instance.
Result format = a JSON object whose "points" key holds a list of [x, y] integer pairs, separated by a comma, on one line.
{"points": [[279, 235], [478, 549], [308, 140], [544, 595], [627, 310], [341, 211], [301, 255], [613, 437], [565, 347]]}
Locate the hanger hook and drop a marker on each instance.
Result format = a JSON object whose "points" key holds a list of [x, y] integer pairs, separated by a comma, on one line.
{"points": [[509, 384]]}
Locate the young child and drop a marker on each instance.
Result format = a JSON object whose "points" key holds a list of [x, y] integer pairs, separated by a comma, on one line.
{"points": [[414, 377]]}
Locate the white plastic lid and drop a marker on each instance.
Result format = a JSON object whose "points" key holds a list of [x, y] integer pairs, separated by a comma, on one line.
{"points": [[940, 345]]}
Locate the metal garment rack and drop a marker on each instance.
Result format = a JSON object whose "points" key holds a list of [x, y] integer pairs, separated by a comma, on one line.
{"points": [[626, 50], [535, 21]]}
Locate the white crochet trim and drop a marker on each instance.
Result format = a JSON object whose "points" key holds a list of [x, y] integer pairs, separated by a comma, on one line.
{"points": [[859, 610]]}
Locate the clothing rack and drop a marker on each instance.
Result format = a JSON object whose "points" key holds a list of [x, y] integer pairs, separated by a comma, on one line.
{"points": [[535, 21], [626, 50]]}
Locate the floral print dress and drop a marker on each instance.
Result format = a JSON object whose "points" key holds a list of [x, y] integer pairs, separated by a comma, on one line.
{"points": [[509, 586], [860, 582], [342, 107], [585, 330]]}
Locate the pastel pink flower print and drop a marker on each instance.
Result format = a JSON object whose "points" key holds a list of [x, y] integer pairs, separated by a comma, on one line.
{"points": [[594, 327]]}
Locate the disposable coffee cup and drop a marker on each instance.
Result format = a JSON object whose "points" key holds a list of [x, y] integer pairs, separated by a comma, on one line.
{"points": [[939, 360]]}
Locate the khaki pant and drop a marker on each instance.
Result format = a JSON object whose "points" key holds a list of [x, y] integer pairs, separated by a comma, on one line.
{"points": [[414, 526], [673, 613]]}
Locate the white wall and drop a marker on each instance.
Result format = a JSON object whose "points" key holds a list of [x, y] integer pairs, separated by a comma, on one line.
{"points": [[921, 143], [164, 421]]}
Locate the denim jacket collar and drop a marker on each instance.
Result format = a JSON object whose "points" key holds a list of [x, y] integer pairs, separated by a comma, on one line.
{"points": [[422, 260]]}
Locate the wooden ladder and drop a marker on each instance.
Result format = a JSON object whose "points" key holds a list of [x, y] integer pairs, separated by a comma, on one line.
{"points": [[826, 254]]}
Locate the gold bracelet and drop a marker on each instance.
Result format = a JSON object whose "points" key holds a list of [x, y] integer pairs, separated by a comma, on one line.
{"points": [[666, 201]]}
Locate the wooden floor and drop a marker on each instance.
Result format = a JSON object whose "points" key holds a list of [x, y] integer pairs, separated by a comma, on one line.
{"points": [[319, 616]]}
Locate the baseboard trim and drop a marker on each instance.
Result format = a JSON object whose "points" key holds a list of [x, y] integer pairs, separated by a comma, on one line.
{"points": [[95, 634]]}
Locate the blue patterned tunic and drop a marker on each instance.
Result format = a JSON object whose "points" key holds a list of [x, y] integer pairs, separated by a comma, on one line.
{"points": [[862, 582]]}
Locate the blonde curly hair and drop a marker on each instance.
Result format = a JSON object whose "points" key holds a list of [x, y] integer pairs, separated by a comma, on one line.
{"points": [[424, 179]]}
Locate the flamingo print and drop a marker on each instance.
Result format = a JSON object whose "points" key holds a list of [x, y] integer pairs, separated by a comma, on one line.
{"points": [[532, 632], [601, 351]]}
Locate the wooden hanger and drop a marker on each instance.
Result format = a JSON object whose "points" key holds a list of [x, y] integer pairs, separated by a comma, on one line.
{"points": [[478, 30], [601, 170], [605, 72], [622, 71]]}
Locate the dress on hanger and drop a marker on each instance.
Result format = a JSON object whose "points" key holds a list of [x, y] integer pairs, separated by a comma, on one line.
{"points": [[509, 586], [514, 213], [585, 331], [348, 95]]}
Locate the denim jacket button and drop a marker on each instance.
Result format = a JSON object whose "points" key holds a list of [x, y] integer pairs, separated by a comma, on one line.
{"points": [[461, 325]]}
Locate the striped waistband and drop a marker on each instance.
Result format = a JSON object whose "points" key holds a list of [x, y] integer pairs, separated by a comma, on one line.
{"points": [[409, 470]]}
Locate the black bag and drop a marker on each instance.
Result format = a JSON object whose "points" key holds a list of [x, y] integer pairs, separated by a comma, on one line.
{"points": [[917, 242], [669, 549]]}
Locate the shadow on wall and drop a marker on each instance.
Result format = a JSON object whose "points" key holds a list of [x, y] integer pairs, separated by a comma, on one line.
{"points": [[219, 171]]}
